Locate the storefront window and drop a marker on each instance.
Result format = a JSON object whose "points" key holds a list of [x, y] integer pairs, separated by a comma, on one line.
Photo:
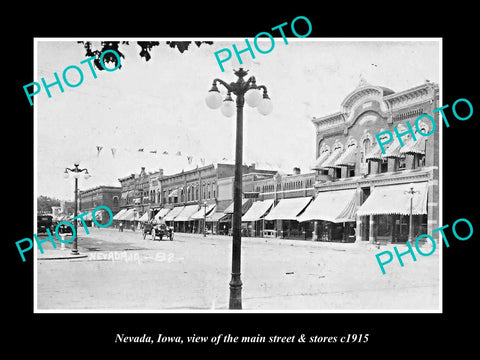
{"points": [[402, 163], [351, 171], [419, 161], [384, 225], [384, 166]]}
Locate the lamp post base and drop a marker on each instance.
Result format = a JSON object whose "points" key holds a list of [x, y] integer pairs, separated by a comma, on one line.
{"points": [[74, 252], [235, 292]]}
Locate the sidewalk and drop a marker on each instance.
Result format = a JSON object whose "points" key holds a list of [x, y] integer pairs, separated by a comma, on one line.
{"points": [[59, 253], [333, 245]]}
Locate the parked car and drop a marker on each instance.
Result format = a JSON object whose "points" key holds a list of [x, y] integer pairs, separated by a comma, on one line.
{"points": [[44, 222]]}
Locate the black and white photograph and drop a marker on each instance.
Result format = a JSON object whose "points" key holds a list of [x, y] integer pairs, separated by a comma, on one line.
{"points": [[319, 213], [221, 181]]}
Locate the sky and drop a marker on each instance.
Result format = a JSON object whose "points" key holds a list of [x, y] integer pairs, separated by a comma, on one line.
{"points": [[159, 105]]}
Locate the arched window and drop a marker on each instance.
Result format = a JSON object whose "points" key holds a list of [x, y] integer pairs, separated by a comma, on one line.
{"points": [[365, 148], [366, 143], [115, 201]]}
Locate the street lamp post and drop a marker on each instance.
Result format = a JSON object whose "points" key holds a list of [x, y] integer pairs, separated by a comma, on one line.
{"points": [[264, 106], [204, 204], [410, 193], [76, 173]]}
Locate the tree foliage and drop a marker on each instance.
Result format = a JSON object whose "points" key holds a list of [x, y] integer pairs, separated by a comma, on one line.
{"points": [[45, 203], [146, 47]]}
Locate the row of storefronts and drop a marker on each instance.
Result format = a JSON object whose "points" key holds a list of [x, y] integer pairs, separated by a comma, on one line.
{"points": [[346, 215], [355, 193]]}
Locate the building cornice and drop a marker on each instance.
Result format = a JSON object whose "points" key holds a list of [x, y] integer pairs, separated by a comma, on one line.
{"points": [[389, 178], [390, 103], [101, 187]]}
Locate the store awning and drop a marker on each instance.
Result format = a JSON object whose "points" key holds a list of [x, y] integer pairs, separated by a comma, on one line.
{"points": [[173, 213], [335, 206], [317, 165], [119, 214], [330, 162], [375, 153], [144, 217], [288, 209], [394, 199], [216, 216], [187, 212], [258, 210], [228, 218], [202, 211], [393, 150], [161, 214], [229, 210], [348, 157], [414, 147], [130, 215]]}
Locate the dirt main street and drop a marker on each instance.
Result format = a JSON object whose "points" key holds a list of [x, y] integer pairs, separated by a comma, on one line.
{"points": [[124, 272]]}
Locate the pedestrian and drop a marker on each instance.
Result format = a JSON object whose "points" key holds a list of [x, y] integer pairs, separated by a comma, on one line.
{"points": [[120, 227]]}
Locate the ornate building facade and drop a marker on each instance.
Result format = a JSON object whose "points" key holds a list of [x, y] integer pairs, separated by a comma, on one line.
{"points": [[362, 194]]}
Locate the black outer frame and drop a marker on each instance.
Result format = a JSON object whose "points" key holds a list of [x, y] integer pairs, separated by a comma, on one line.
{"points": [[55, 333]]}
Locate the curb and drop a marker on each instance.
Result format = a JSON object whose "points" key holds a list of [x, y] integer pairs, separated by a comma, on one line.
{"points": [[62, 257]]}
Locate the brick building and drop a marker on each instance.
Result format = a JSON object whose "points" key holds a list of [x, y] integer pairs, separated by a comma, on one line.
{"points": [[101, 195], [361, 194], [281, 198], [183, 199]]}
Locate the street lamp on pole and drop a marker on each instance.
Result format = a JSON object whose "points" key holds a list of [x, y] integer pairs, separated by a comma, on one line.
{"points": [[410, 194], [76, 172], [204, 204], [245, 91]]}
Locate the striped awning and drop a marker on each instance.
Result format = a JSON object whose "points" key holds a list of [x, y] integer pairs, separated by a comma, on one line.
{"points": [[335, 206], [317, 165], [375, 153], [395, 199], [130, 215], [215, 216], [161, 214], [203, 212], [174, 213], [330, 162], [393, 151], [187, 212], [415, 147], [348, 157], [144, 217], [245, 203]]}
